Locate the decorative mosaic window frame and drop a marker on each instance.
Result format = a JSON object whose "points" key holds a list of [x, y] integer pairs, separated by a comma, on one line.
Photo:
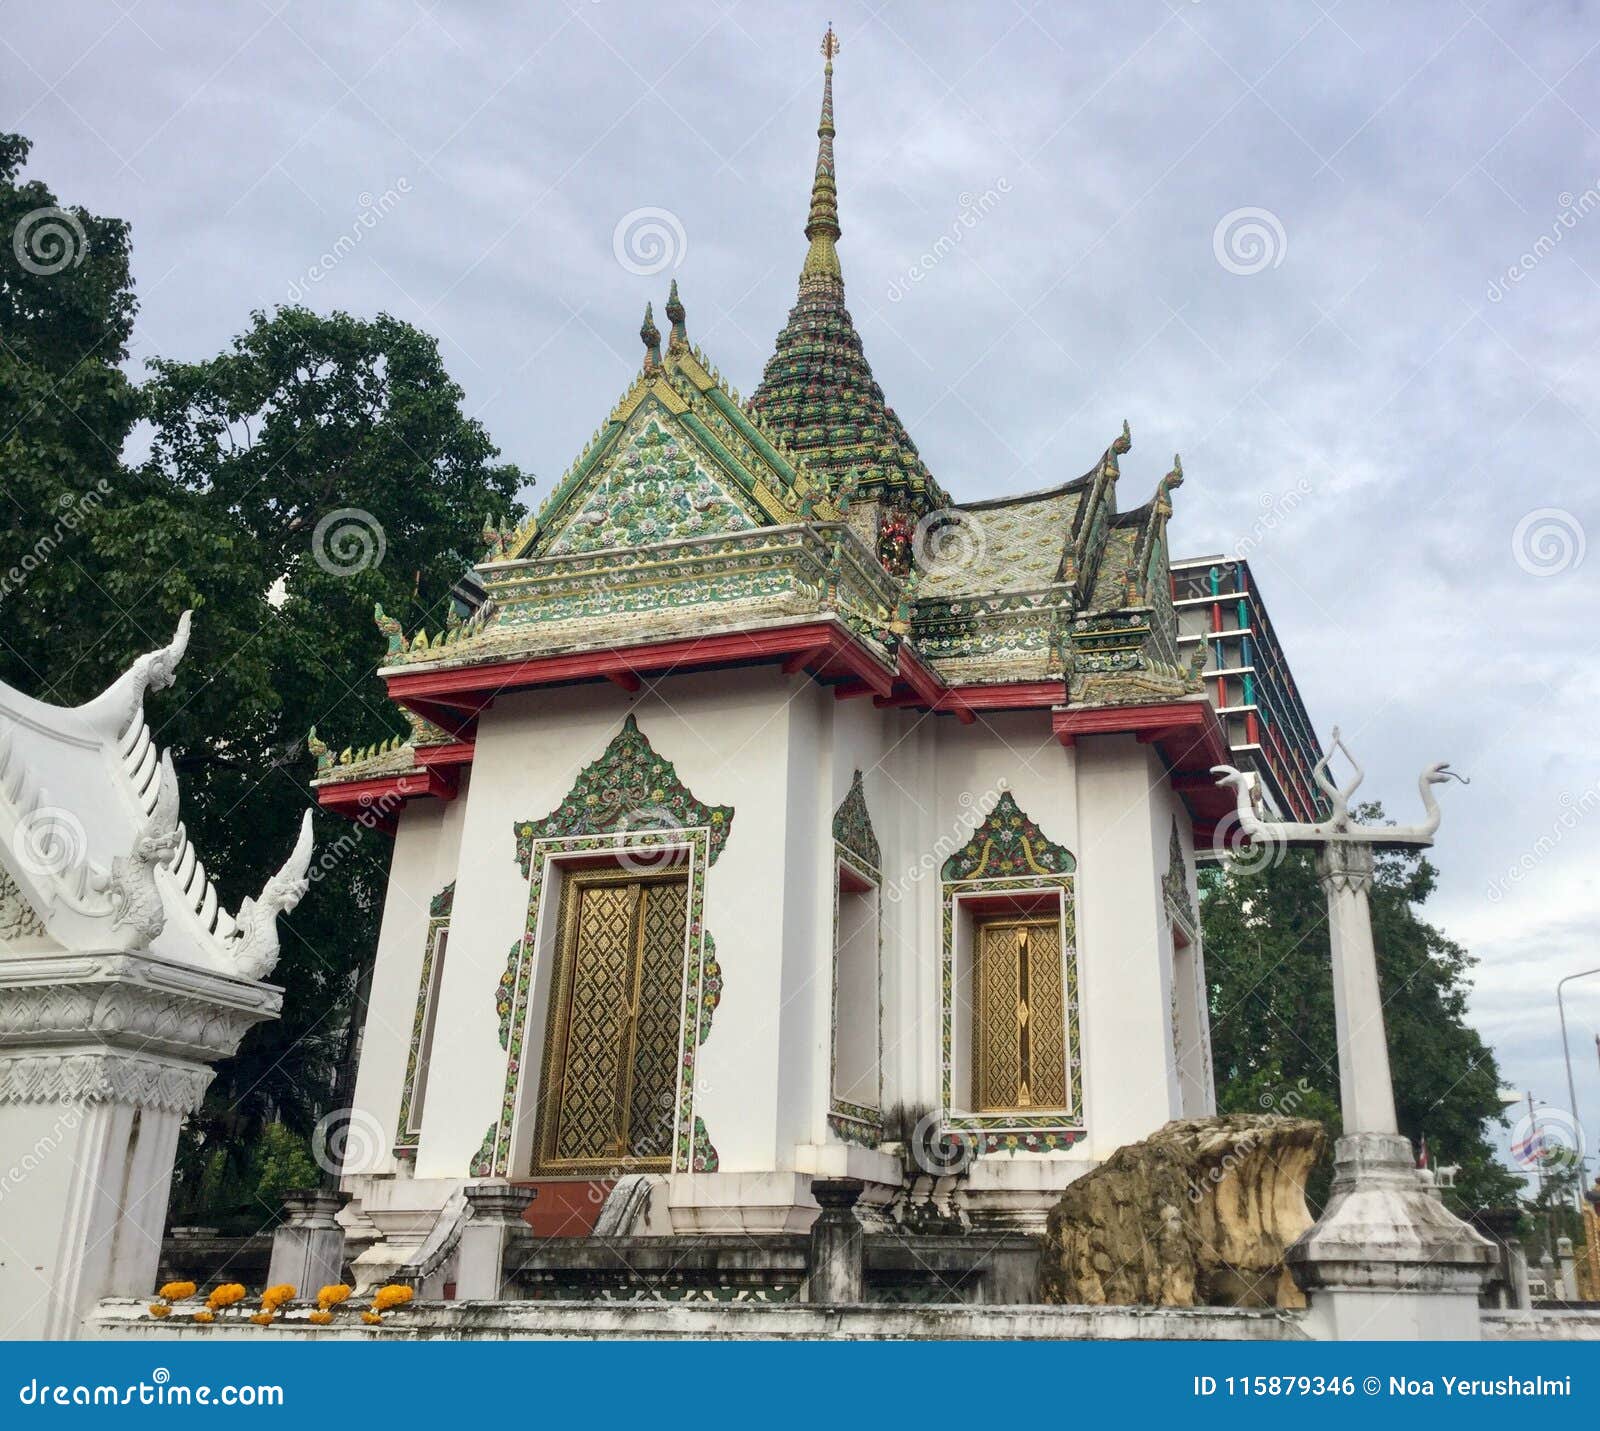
{"points": [[1181, 913], [855, 845], [439, 911], [1009, 855], [629, 801]]}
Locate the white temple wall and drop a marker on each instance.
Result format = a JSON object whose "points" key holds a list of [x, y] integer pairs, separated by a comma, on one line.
{"points": [[1123, 940], [427, 851], [727, 735], [783, 752], [804, 1013], [904, 788]]}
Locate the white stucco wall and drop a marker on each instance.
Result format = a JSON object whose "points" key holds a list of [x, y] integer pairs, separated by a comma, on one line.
{"points": [[427, 848], [782, 751]]}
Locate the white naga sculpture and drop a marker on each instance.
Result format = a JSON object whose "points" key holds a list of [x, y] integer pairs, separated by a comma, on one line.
{"points": [[122, 981], [1384, 1230], [1338, 827]]}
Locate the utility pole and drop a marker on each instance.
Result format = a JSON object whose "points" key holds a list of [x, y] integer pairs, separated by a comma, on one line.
{"points": [[1572, 1090]]}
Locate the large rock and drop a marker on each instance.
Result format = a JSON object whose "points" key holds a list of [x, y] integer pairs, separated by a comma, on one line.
{"points": [[1198, 1215]]}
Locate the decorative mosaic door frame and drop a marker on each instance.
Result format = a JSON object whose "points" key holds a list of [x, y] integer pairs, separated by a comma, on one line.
{"points": [[628, 805], [855, 845], [1009, 855]]}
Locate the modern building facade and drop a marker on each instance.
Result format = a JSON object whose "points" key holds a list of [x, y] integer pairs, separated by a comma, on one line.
{"points": [[1248, 679]]}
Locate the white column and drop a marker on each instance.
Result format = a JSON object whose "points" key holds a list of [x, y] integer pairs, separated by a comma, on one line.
{"points": [[101, 1057], [1366, 1089]]}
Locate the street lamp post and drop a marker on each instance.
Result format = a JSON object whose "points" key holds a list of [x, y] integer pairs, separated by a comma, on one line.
{"points": [[1572, 1090]]}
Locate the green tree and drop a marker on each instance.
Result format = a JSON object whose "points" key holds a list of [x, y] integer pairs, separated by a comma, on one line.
{"points": [[66, 408], [1272, 1019], [320, 464], [328, 461]]}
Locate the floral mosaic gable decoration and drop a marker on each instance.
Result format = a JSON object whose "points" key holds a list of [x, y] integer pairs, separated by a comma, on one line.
{"points": [[652, 490], [628, 789], [1007, 845], [852, 826]]}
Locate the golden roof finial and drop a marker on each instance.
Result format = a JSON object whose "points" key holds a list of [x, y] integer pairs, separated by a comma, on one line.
{"points": [[822, 222]]}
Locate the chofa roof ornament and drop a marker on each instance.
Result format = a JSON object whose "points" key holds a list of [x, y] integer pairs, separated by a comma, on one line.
{"points": [[93, 855]]}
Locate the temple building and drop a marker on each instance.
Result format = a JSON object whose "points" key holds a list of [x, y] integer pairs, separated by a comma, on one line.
{"points": [[778, 816]]}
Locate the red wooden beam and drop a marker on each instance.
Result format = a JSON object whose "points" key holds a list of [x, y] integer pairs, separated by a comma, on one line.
{"points": [[1014, 695], [471, 688], [376, 802], [458, 752], [801, 659]]}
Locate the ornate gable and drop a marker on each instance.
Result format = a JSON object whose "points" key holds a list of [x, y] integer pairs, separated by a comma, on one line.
{"points": [[655, 485], [629, 787], [1007, 844], [852, 826]]}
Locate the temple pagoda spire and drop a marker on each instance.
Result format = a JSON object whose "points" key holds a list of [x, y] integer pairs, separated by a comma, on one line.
{"points": [[822, 222], [817, 392]]}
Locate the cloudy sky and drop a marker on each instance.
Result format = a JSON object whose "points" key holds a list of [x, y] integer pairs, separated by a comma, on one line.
{"points": [[1344, 257]]}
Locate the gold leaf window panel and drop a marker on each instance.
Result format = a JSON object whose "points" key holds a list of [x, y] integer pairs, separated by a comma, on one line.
{"points": [[612, 1038], [1019, 1016]]}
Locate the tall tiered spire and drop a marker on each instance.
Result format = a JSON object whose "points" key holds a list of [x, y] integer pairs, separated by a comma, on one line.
{"points": [[822, 223], [818, 392]]}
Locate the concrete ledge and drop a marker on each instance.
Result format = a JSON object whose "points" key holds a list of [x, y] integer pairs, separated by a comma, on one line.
{"points": [[710, 1321], [1541, 1326]]}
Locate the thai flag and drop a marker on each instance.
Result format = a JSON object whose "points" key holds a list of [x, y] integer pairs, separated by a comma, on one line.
{"points": [[1531, 1150]]}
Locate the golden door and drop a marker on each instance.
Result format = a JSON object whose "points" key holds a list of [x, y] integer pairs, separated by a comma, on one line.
{"points": [[1018, 1012], [611, 1044]]}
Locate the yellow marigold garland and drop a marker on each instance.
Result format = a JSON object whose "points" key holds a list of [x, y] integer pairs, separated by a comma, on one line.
{"points": [[225, 1296], [331, 1296], [395, 1294], [275, 1297], [176, 1291]]}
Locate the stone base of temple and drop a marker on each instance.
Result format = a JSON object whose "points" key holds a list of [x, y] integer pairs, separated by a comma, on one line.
{"points": [[126, 1320]]}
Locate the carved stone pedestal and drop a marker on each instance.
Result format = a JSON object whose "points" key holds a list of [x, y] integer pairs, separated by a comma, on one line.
{"points": [[101, 1057], [1387, 1261], [838, 1246], [308, 1245], [493, 1231]]}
